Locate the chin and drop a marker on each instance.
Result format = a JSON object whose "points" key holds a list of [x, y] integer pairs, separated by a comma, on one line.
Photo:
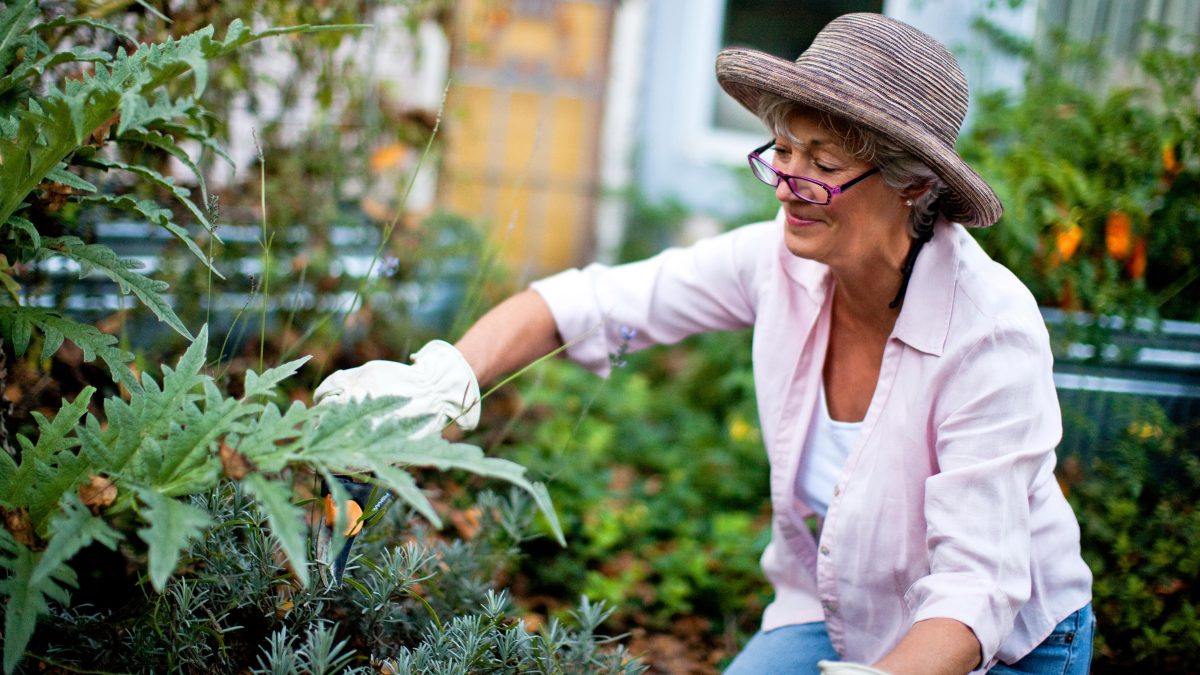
{"points": [[801, 247]]}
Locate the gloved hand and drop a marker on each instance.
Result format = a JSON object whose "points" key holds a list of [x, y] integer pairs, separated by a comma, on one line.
{"points": [[844, 668], [439, 382]]}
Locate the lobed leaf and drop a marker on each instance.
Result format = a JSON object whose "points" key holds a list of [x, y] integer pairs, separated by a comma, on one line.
{"points": [[264, 385], [285, 518], [19, 322], [71, 529], [105, 260], [26, 599], [405, 486], [437, 453], [61, 175], [181, 194], [173, 525], [26, 227], [71, 22], [14, 21], [166, 143]]}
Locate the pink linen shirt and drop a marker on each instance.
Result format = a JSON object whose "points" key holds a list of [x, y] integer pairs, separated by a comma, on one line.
{"points": [[947, 505]]}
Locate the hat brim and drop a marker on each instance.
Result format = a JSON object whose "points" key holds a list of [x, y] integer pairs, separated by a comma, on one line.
{"points": [[746, 73]]}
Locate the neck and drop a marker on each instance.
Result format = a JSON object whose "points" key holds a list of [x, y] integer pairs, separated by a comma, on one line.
{"points": [[862, 293]]}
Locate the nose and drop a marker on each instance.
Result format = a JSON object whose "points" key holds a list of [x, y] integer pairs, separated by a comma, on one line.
{"points": [[784, 193]]}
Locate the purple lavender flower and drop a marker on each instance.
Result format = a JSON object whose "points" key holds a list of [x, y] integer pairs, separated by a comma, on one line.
{"points": [[617, 359]]}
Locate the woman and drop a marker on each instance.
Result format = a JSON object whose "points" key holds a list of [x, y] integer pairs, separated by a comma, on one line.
{"points": [[903, 378]]}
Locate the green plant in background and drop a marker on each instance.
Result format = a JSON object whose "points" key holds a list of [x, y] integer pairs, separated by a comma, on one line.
{"points": [[1099, 184], [1136, 501], [662, 486]]}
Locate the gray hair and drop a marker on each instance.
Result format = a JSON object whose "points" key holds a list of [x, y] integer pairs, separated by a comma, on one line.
{"points": [[900, 170]]}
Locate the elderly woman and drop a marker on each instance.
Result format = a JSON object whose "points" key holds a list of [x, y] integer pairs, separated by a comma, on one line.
{"points": [[903, 378]]}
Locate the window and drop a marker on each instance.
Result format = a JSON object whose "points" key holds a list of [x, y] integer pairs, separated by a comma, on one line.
{"points": [[783, 28]]}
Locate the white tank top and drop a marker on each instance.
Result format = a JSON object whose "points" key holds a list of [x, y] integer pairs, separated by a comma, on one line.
{"points": [[825, 451]]}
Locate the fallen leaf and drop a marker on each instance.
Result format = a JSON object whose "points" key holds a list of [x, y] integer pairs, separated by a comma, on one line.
{"points": [[467, 522], [233, 463], [98, 493], [17, 522]]}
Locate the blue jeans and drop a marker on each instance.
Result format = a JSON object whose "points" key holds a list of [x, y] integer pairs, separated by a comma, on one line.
{"points": [[796, 649]]}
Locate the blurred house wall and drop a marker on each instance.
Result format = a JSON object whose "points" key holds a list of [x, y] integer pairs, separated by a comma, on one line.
{"points": [[523, 120]]}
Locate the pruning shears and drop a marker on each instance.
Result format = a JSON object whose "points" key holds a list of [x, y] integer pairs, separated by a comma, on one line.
{"points": [[358, 499]]}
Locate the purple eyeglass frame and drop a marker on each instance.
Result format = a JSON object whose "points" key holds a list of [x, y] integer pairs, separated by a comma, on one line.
{"points": [[831, 190]]}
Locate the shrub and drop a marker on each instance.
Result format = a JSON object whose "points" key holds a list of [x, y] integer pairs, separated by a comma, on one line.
{"points": [[1136, 502], [661, 479], [426, 605], [1098, 183]]}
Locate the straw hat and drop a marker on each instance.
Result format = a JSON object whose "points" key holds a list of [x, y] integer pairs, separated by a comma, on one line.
{"points": [[887, 76]]}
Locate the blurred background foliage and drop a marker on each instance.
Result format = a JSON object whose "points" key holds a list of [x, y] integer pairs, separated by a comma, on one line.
{"points": [[1099, 182]]}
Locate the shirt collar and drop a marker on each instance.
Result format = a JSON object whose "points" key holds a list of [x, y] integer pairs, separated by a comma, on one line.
{"points": [[924, 321]]}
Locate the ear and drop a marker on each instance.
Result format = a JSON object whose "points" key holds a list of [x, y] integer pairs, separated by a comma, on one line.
{"points": [[915, 192]]}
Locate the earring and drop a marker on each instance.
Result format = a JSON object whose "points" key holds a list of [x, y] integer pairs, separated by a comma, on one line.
{"points": [[908, 202]]}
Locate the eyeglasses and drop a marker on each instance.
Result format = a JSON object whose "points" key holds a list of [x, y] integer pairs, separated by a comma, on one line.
{"points": [[810, 190]]}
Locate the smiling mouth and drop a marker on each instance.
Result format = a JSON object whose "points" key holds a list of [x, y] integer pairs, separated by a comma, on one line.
{"points": [[798, 221]]}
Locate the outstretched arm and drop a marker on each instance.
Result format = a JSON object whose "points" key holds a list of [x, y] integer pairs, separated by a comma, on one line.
{"points": [[510, 336]]}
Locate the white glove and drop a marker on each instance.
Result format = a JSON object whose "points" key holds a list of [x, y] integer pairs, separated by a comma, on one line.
{"points": [[843, 668], [438, 383]]}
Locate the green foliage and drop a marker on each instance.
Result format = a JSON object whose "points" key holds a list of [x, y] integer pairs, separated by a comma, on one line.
{"points": [[51, 125], [661, 480], [412, 602], [99, 472], [175, 440], [1098, 182], [17, 324], [1136, 502]]}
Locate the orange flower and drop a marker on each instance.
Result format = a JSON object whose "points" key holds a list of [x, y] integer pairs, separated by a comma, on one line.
{"points": [[1170, 164], [1066, 297], [1137, 264], [1117, 236], [1066, 241], [387, 157]]}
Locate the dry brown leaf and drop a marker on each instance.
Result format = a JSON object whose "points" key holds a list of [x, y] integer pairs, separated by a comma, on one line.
{"points": [[98, 493], [17, 522], [233, 463], [467, 522]]}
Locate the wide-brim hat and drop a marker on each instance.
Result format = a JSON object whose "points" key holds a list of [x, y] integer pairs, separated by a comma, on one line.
{"points": [[887, 76]]}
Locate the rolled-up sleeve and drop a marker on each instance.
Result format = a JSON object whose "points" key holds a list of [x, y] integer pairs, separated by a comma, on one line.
{"points": [[995, 439], [708, 286]]}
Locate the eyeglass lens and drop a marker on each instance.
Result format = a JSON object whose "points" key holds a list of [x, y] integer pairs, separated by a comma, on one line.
{"points": [[802, 187]]}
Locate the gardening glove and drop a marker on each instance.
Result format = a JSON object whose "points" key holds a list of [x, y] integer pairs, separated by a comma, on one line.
{"points": [[439, 383], [844, 668]]}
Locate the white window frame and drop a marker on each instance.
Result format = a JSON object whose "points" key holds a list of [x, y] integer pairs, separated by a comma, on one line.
{"points": [[703, 142]]}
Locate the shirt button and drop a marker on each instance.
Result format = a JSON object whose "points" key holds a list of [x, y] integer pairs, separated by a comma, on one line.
{"points": [[837, 490], [830, 606], [824, 550]]}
